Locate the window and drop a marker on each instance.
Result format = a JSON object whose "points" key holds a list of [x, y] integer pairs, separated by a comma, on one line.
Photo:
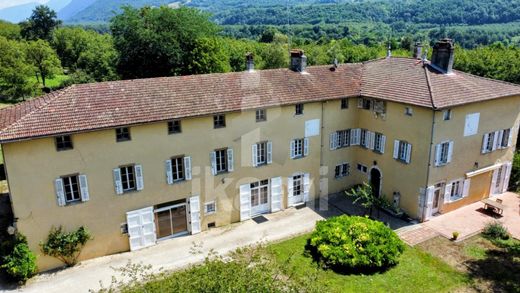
{"points": [[504, 135], [219, 121], [402, 151], [489, 142], [178, 168], [299, 148], [261, 153], [364, 139], [174, 126], [298, 109], [362, 168], [71, 189], [297, 185], [344, 138], [259, 193], [221, 160], [499, 139], [456, 189], [344, 103], [210, 207], [379, 143], [446, 115], [342, 170], [261, 115], [128, 178], [408, 111], [443, 153], [123, 134], [64, 143], [379, 107], [364, 103]]}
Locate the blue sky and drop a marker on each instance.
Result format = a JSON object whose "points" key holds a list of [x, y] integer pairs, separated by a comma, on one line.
{"points": [[7, 3]]}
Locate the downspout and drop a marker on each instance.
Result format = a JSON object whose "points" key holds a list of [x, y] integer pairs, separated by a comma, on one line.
{"points": [[424, 202], [9, 191], [322, 145]]}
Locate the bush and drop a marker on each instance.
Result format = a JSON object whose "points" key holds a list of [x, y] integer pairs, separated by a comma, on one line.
{"points": [[495, 231], [65, 246], [355, 244], [514, 183], [20, 263]]}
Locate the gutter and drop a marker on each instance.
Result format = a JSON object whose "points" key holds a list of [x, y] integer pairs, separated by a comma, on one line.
{"points": [[424, 202]]}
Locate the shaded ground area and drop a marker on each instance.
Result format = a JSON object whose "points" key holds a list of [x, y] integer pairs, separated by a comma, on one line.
{"points": [[491, 268]]}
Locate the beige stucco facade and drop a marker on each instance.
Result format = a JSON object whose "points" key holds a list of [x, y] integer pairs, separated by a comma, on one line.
{"points": [[33, 165]]}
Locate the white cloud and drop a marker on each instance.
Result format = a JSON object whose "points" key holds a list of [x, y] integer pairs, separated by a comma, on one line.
{"points": [[9, 3]]}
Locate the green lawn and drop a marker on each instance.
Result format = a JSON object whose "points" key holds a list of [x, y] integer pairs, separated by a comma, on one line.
{"points": [[417, 271], [53, 82]]}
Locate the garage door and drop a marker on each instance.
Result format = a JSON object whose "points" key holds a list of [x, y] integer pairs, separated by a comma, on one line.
{"points": [[141, 228]]}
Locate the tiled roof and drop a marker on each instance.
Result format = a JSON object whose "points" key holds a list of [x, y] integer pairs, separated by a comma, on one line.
{"points": [[111, 104]]}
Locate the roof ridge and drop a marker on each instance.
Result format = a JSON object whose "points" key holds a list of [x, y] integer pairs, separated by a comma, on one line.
{"points": [[430, 85], [51, 97]]}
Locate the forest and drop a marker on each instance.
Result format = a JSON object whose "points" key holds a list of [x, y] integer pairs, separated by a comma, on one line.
{"points": [[42, 54]]}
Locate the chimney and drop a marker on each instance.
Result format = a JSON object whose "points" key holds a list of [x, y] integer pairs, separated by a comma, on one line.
{"points": [[417, 50], [443, 55], [298, 60], [250, 62]]}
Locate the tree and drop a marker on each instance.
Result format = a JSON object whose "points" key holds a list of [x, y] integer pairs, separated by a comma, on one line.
{"points": [[41, 24], [9, 30], [65, 246], [364, 194], [157, 41], [14, 71], [208, 56], [44, 60]]}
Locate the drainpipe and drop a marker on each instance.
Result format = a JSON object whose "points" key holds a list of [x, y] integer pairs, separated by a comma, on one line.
{"points": [[322, 144], [429, 165], [9, 190]]}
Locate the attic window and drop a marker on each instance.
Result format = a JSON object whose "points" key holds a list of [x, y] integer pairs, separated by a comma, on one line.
{"points": [[344, 103], [446, 115], [408, 111], [64, 143], [298, 109], [219, 121], [123, 134], [174, 126]]}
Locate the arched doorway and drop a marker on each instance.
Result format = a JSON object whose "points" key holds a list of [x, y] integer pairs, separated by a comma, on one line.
{"points": [[375, 181]]}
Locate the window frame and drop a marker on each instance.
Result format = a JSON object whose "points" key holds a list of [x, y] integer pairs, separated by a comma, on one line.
{"points": [[224, 161], [171, 126], [342, 170], [362, 168], [447, 115], [505, 138], [363, 139], [209, 203], [299, 148], [408, 111], [176, 169], [298, 109], [456, 194], [259, 189], [490, 142], [78, 185], [125, 176], [261, 115], [298, 188], [344, 103], [367, 104], [219, 123], [444, 149], [261, 152], [123, 134], [378, 142], [65, 144], [402, 152]]}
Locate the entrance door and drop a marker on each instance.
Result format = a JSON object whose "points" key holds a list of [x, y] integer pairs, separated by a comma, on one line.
{"points": [[437, 195], [260, 197], [298, 187], [375, 181], [171, 221], [141, 228], [500, 179]]}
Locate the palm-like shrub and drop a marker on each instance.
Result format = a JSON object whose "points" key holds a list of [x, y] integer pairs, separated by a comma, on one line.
{"points": [[355, 244]]}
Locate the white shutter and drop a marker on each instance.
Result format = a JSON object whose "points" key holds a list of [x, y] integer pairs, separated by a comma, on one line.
{"points": [[372, 141], [408, 153], [290, 190], [360, 103], [507, 176], [306, 187], [187, 168], [485, 143], [465, 189], [500, 137], [230, 160], [450, 151], [332, 145], [396, 149], [117, 181], [141, 228], [438, 154], [139, 177], [276, 194], [269, 152], [169, 172], [358, 136], [306, 146], [245, 202], [60, 194], [194, 205], [429, 202], [495, 140], [494, 179], [83, 186], [292, 151], [447, 192], [510, 139], [213, 160], [383, 143], [254, 155]]}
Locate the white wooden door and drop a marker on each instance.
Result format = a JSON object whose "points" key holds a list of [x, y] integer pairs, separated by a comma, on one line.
{"points": [[429, 202], [245, 202], [276, 194], [194, 205], [141, 228]]}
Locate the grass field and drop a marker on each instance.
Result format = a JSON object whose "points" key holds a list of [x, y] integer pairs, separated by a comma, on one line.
{"points": [[53, 82]]}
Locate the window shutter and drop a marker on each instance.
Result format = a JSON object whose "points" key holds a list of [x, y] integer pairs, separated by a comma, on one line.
{"points": [[230, 160], [438, 148], [383, 143], [269, 152], [358, 136], [500, 137], [507, 176], [187, 168], [306, 146], [408, 153], [245, 202], [139, 177], [337, 143], [213, 160], [360, 103], [465, 190], [447, 192], [117, 181], [169, 171], [60, 194], [492, 189], [372, 140], [485, 143], [450, 151], [495, 140], [276, 194], [290, 186], [510, 139], [306, 187], [293, 145], [429, 202], [396, 149], [331, 142], [194, 206], [254, 155], [83, 186]]}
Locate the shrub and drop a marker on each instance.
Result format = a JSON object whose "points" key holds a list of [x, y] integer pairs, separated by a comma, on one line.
{"points": [[455, 235], [65, 246], [514, 183], [20, 263], [495, 231], [355, 244]]}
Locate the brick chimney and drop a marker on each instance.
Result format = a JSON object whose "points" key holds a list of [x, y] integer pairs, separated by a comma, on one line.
{"points": [[250, 62], [443, 55], [298, 60], [417, 50]]}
